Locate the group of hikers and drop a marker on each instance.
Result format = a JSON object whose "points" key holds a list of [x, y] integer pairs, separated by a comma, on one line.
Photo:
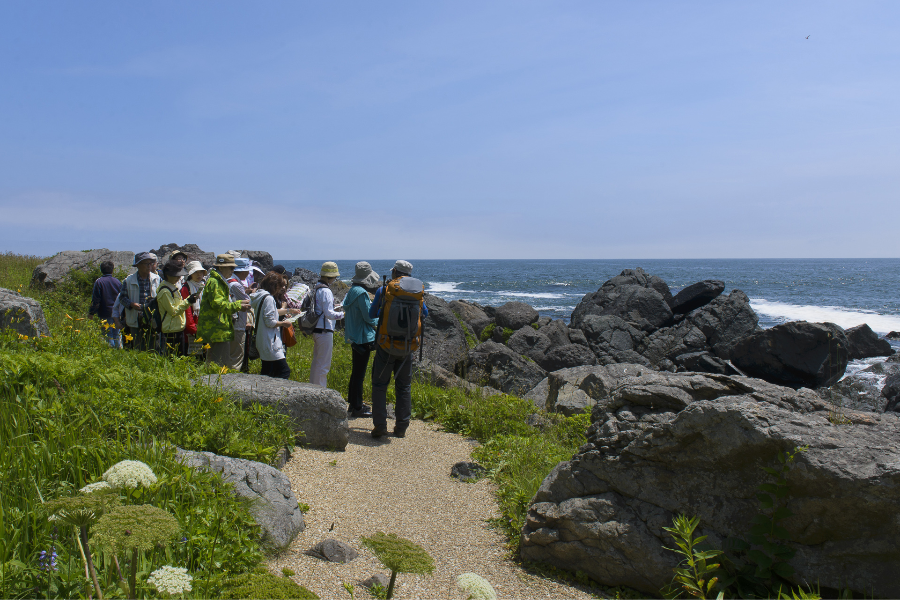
{"points": [[236, 312]]}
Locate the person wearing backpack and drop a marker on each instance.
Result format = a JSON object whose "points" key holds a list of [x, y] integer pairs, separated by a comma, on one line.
{"points": [[214, 325], [172, 309], [137, 291], [323, 332], [359, 332], [193, 285], [400, 308], [268, 325]]}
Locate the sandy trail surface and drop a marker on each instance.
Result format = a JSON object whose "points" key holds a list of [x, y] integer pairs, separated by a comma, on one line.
{"points": [[403, 486]]}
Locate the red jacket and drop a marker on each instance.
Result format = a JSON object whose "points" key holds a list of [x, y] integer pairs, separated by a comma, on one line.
{"points": [[191, 327]]}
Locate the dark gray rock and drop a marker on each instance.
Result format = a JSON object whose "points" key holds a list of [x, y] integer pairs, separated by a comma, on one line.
{"points": [[377, 579], [273, 504], [22, 314], [515, 315], [445, 338], [333, 551], [193, 251], [319, 415], [557, 332], [428, 372], [467, 471], [613, 340], [529, 342], [638, 298], [663, 444], [308, 277], [795, 354], [47, 274], [697, 295], [576, 336], [865, 343], [569, 355], [473, 316], [863, 390], [703, 362], [263, 258], [543, 321], [891, 393], [538, 394], [894, 335], [496, 365], [499, 335]]}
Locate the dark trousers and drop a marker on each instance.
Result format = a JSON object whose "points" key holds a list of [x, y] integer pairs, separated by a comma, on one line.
{"points": [[245, 364], [172, 344], [276, 368], [143, 338], [383, 367], [361, 353]]}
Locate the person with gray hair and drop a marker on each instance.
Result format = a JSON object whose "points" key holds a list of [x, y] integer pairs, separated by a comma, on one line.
{"points": [[393, 355]]}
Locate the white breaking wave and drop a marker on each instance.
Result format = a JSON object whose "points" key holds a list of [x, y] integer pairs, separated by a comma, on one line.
{"points": [[446, 287], [531, 295], [845, 317]]}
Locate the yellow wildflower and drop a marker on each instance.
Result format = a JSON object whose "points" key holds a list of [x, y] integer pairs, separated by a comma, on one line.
{"points": [[223, 370], [23, 336], [128, 337], [67, 316], [198, 339], [206, 347], [219, 399], [77, 331]]}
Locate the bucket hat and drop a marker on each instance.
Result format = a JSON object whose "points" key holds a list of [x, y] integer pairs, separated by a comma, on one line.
{"points": [[142, 256], [403, 266], [193, 266], [173, 269], [329, 269], [242, 264], [365, 276], [225, 260], [178, 253]]}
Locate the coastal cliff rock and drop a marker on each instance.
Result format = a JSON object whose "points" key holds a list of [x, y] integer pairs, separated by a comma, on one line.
{"points": [[865, 343], [566, 356], [634, 296], [663, 444], [445, 338], [497, 366], [473, 316], [515, 315], [530, 343], [795, 354], [866, 389], [21, 314], [557, 332], [696, 295], [47, 274]]}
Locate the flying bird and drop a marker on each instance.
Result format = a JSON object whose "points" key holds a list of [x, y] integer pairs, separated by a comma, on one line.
{"points": [[807, 37]]}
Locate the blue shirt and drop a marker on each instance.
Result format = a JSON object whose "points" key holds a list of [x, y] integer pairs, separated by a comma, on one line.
{"points": [[103, 296], [359, 326], [376, 305]]}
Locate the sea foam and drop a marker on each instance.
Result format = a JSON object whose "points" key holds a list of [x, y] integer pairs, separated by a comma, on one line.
{"points": [[845, 317]]}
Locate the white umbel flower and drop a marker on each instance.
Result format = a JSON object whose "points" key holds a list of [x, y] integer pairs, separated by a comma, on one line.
{"points": [[476, 586], [95, 487], [129, 474], [171, 580]]}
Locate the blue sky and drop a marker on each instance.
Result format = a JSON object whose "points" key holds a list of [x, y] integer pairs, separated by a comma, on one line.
{"points": [[370, 130]]}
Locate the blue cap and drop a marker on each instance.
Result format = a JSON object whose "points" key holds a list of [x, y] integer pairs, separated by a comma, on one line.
{"points": [[243, 264]]}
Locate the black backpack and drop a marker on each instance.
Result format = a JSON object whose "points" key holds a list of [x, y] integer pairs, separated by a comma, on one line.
{"points": [[151, 314]]}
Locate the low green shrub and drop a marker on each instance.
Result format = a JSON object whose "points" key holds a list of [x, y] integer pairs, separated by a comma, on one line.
{"points": [[265, 586]]}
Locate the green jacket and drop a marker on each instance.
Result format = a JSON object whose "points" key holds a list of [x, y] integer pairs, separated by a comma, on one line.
{"points": [[214, 323]]}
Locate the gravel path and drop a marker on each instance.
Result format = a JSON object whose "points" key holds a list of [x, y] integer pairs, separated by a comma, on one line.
{"points": [[402, 486]]}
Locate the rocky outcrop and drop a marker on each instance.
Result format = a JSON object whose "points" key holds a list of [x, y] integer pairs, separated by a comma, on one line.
{"points": [[891, 393], [634, 296], [193, 251], [499, 367], [308, 277], [530, 343], [865, 343], [48, 274], [515, 315], [445, 338], [795, 354], [566, 356], [22, 314], [557, 332], [264, 259], [612, 339], [864, 389], [273, 504], [699, 294], [319, 415], [663, 444], [703, 362], [473, 316]]}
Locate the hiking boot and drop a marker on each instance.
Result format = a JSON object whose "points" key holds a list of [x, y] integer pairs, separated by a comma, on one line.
{"points": [[379, 432], [400, 432], [364, 411]]}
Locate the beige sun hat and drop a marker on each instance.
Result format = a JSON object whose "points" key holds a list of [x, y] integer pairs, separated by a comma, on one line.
{"points": [[365, 276], [403, 266], [329, 269], [225, 260], [194, 266]]}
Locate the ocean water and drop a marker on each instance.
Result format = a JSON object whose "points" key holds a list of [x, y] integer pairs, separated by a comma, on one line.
{"points": [[847, 292]]}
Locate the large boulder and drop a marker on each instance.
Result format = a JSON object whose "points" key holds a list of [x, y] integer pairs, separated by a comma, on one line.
{"points": [[473, 316], [22, 314], [48, 274], [499, 367], [193, 251], [529, 342], [795, 354], [567, 356], [318, 415], [612, 339], [432, 374], [865, 343], [703, 362], [557, 332], [699, 294], [667, 444], [864, 389], [272, 503], [306, 276], [515, 315], [638, 298], [445, 338], [263, 258]]}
